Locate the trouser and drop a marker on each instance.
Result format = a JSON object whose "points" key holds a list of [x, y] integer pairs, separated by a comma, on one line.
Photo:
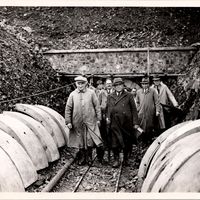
{"points": [[100, 153], [116, 153]]}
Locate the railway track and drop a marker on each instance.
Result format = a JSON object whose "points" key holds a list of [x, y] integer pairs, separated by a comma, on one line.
{"points": [[94, 178]]}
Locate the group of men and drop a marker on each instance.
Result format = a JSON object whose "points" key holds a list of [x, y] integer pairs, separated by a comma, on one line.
{"points": [[107, 118]]}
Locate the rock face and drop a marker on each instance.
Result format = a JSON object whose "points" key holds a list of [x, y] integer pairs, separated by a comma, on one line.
{"points": [[26, 32]]}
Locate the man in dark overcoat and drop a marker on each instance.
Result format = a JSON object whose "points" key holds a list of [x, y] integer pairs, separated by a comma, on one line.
{"points": [[123, 119]]}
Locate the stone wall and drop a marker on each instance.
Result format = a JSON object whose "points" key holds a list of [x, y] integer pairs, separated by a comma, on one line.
{"points": [[121, 61]]}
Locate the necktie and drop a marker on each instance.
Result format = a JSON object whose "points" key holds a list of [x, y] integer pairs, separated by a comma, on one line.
{"points": [[158, 89]]}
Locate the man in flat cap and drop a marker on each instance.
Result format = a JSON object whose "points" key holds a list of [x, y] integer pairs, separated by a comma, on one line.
{"points": [[82, 116], [123, 118], [165, 97], [148, 107]]}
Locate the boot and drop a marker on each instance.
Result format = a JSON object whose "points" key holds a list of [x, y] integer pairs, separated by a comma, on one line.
{"points": [[89, 156], [100, 154], [126, 152], [81, 157], [107, 156], [116, 158]]}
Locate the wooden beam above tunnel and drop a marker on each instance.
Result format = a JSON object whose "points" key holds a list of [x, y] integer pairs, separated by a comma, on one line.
{"points": [[189, 48], [125, 75]]}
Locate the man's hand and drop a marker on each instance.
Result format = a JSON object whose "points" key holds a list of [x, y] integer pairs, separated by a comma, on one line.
{"points": [[136, 126], [157, 114], [99, 123], [107, 121], [69, 126]]}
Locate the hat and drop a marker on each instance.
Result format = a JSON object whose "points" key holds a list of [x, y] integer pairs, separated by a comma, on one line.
{"points": [[145, 80], [117, 81], [156, 78], [80, 78], [99, 82]]}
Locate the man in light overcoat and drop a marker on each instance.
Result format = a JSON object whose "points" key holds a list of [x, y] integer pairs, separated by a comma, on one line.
{"points": [[165, 97], [82, 116]]}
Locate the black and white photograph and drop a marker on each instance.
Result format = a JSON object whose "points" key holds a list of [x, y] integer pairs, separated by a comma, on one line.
{"points": [[100, 99]]}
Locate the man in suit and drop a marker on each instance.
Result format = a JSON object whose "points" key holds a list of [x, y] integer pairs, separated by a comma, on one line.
{"points": [[123, 119], [148, 108]]}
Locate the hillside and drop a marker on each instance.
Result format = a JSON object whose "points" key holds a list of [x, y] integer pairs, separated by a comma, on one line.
{"points": [[88, 27], [25, 32]]}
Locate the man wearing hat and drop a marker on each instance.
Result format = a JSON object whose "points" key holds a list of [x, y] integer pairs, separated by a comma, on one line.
{"points": [[102, 97], [148, 107], [105, 129], [165, 97], [99, 88], [123, 118], [82, 116]]}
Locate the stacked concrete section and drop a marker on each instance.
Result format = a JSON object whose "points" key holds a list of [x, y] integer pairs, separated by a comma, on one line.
{"points": [[174, 166], [27, 145]]}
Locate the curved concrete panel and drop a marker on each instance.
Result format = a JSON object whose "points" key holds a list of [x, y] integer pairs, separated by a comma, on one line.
{"points": [[60, 120], [26, 138], [10, 180], [181, 132], [40, 131], [176, 156], [45, 119], [171, 155], [20, 158], [153, 148]]}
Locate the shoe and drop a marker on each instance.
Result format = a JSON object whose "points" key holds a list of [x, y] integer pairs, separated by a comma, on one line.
{"points": [[126, 163], [81, 162], [115, 164], [88, 156], [107, 157], [82, 158]]}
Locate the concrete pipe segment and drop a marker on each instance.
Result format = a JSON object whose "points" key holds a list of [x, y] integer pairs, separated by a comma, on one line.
{"points": [[29, 139], [174, 167]]}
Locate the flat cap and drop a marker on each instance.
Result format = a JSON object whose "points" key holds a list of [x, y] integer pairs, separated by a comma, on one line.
{"points": [[80, 78]]}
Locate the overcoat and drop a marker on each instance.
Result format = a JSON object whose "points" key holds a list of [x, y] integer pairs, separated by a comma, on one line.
{"points": [[123, 115], [83, 111], [165, 97], [147, 106]]}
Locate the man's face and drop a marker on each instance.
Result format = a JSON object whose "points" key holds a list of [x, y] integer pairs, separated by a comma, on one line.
{"points": [[81, 85], [133, 91], [119, 87], [100, 86], [156, 82], [109, 85], [145, 85]]}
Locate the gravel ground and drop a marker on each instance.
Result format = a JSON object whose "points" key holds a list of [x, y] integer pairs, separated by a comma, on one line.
{"points": [[45, 175], [100, 178]]}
